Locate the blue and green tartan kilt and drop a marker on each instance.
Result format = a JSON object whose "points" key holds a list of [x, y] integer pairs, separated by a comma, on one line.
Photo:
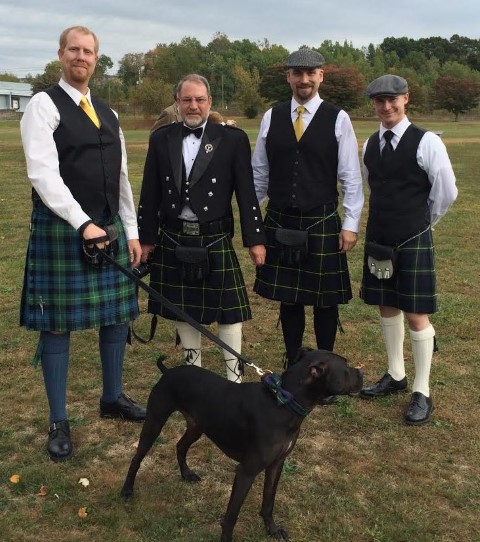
{"points": [[221, 297], [61, 291], [322, 278], [413, 286]]}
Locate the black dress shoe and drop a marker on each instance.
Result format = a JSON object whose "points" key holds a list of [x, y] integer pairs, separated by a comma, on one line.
{"points": [[385, 386], [59, 445], [124, 407], [419, 409]]}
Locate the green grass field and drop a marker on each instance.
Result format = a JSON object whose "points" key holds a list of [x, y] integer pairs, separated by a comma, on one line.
{"points": [[357, 474]]}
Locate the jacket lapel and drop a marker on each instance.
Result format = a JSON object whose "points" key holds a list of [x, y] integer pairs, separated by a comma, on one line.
{"points": [[175, 153], [208, 146]]}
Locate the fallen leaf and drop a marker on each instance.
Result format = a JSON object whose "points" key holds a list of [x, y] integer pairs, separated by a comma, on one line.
{"points": [[15, 478], [82, 512], [135, 444], [84, 481], [43, 491]]}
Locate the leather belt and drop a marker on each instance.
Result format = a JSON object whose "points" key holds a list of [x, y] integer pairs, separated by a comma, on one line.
{"points": [[186, 227]]}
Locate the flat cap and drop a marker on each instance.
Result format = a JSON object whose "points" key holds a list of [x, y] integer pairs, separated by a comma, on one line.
{"points": [[305, 58], [387, 85]]}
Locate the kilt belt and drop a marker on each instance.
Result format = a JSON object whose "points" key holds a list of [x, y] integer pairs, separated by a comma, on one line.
{"points": [[321, 278]]}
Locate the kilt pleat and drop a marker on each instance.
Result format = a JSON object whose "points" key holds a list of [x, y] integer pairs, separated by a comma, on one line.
{"points": [[221, 297], [322, 278], [413, 286], [61, 291]]}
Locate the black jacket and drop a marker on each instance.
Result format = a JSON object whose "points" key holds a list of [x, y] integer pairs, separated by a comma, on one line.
{"points": [[222, 167]]}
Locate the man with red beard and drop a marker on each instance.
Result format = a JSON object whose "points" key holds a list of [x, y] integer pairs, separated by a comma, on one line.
{"points": [[76, 162], [304, 148]]}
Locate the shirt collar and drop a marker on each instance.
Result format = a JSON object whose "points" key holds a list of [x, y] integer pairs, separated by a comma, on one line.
{"points": [[310, 106], [398, 130], [75, 94]]}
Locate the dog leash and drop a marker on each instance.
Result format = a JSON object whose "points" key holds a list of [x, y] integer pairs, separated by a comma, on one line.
{"points": [[181, 314]]}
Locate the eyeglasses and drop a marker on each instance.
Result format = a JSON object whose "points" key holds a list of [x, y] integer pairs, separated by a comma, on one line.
{"points": [[200, 101]]}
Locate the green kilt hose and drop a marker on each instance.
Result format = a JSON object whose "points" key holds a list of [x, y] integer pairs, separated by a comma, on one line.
{"points": [[221, 297], [61, 291], [322, 278], [413, 286]]}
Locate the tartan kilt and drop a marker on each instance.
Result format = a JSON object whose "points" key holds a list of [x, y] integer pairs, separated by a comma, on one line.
{"points": [[322, 278], [413, 286], [221, 297], [61, 291]]}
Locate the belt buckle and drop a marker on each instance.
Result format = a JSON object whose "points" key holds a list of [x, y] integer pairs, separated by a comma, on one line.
{"points": [[191, 228]]}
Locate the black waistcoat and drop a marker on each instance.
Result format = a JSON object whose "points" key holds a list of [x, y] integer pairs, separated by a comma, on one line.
{"points": [[90, 158], [399, 190], [303, 174]]}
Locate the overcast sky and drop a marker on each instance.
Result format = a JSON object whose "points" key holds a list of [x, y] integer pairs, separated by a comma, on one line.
{"points": [[29, 29]]}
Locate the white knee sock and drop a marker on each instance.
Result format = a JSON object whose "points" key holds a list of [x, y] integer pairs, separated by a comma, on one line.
{"points": [[191, 342], [231, 334], [422, 350], [393, 334]]}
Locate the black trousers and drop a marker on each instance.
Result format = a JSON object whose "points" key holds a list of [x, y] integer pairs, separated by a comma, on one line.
{"points": [[292, 317]]}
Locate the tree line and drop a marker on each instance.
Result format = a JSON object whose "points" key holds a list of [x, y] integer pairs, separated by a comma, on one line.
{"points": [[247, 77]]}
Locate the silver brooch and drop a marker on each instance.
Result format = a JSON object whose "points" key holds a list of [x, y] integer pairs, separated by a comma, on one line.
{"points": [[208, 148]]}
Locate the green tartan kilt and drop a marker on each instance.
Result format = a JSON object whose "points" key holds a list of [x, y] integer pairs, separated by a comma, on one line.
{"points": [[322, 278], [61, 291], [413, 286], [221, 297]]}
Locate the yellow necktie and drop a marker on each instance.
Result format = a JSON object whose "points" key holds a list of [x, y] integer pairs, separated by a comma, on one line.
{"points": [[298, 124], [89, 111]]}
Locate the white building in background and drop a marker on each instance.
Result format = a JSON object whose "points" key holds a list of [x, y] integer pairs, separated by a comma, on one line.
{"points": [[14, 96]]}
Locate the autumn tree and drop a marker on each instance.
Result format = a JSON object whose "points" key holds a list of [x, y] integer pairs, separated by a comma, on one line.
{"points": [[343, 86], [48, 78], [247, 92], [456, 95]]}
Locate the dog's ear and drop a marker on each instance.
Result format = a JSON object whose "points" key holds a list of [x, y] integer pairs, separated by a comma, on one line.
{"points": [[301, 352]]}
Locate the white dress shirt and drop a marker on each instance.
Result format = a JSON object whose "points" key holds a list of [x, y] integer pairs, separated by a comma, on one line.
{"points": [[39, 122], [190, 148], [348, 171], [433, 158]]}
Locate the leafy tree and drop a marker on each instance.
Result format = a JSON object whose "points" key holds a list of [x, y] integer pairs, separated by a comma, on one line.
{"points": [[48, 78], [247, 92], [273, 84], [5, 76], [131, 69], [456, 95], [151, 96], [343, 86]]}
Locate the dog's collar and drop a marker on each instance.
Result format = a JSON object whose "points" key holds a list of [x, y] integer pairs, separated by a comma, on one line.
{"points": [[284, 397]]}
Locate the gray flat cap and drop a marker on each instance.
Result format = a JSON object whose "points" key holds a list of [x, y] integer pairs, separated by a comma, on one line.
{"points": [[305, 58], [387, 85]]}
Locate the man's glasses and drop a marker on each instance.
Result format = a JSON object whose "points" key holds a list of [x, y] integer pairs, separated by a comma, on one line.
{"points": [[200, 101]]}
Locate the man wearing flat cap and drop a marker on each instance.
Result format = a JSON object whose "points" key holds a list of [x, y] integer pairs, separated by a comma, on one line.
{"points": [[412, 185], [305, 147]]}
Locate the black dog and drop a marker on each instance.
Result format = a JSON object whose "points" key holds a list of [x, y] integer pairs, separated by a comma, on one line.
{"points": [[248, 422]]}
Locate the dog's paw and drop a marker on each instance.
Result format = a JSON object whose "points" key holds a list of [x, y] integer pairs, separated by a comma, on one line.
{"points": [[190, 476]]}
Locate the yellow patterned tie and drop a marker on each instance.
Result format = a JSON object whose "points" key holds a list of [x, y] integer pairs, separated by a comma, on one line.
{"points": [[298, 124], [89, 111]]}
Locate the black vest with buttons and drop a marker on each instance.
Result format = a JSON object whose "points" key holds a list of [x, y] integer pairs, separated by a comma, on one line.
{"points": [[90, 158], [399, 190], [303, 174]]}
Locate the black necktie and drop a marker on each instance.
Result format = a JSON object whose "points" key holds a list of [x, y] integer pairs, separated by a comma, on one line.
{"points": [[186, 131], [387, 148]]}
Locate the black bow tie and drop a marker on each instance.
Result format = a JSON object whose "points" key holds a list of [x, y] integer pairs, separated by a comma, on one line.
{"points": [[197, 132]]}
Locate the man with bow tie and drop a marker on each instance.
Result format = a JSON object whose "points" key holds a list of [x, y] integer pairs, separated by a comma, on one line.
{"points": [[186, 225]]}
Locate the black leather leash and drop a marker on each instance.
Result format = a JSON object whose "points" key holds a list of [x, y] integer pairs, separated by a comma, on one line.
{"points": [[181, 314]]}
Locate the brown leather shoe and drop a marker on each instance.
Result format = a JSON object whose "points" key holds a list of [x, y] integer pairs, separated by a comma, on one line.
{"points": [[419, 410], [59, 445], [124, 407], [387, 385]]}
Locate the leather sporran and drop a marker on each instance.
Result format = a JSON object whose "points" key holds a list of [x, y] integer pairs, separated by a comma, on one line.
{"points": [[193, 263], [292, 245], [381, 260]]}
